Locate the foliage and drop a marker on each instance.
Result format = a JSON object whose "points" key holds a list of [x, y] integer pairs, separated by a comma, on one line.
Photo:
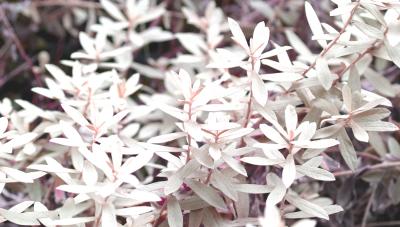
{"points": [[218, 132]]}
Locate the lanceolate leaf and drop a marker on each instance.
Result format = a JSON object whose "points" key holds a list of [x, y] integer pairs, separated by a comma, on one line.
{"points": [[316, 173], [289, 171], [314, 22], [347, 150], [175, 218], [224, 184], [237, 33], [278, 192], [259, 90], [324, 75], [208, 194], [307, 206]]}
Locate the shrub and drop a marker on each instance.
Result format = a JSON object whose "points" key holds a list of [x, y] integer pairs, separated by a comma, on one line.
{"points": [[211, 134]]}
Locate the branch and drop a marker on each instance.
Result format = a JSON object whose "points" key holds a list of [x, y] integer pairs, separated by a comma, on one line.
{"points": [[368, 208], [367, 168], [334, 41], [18, 44]]}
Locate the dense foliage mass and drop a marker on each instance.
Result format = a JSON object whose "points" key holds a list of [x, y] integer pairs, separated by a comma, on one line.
{"points": [[174, 116]]}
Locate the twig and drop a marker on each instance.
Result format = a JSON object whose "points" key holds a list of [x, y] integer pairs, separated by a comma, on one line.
{"points": [[18, 44], [282, 203], [13, 73], [368, 208], [163, 208], [334, 41], [363, 154], [248, 111], [373, 167], [375, 45]]}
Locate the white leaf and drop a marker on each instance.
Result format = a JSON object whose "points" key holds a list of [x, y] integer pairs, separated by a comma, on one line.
{"points": [[17, 175], [347, 150], [173, 111], [115, 53], [89, 174], [347, 97], [289, 171], [314, 23], [307, 206], [305, 223], [71, 221], [380, 83], [253, 188], [3, 125], [148, 71], [75, 115], [290, 120], [143, 196], [18, 218], [215, 152], [234, 164], [71, 133], [393, 53], [306, 130], [281, 77], [192, 42], [372, 103], [134, 211], [131, 85], [360, 133], [175, 181], [316, 173], [166, 137], [151, 15], [21, 207], [272, 134], [237, 33], [87, 44], [112, 9], [44, 92], [65, 142], [21, 140], [175, 217], [369, 30], [297, 43], [316, 144], [160, 148], [108, 217], [185, 83], [207, 193], [272, 217], [323, 73], [235, 133], [377, 126], [58, 74], [220, 126], [223, 183], [259, 89], [259, 161], [134, 163], [278, 192], [260, 39], [76, 188]]}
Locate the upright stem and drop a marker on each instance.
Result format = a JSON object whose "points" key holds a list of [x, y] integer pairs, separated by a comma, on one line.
{"points": [[335, 40]]}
